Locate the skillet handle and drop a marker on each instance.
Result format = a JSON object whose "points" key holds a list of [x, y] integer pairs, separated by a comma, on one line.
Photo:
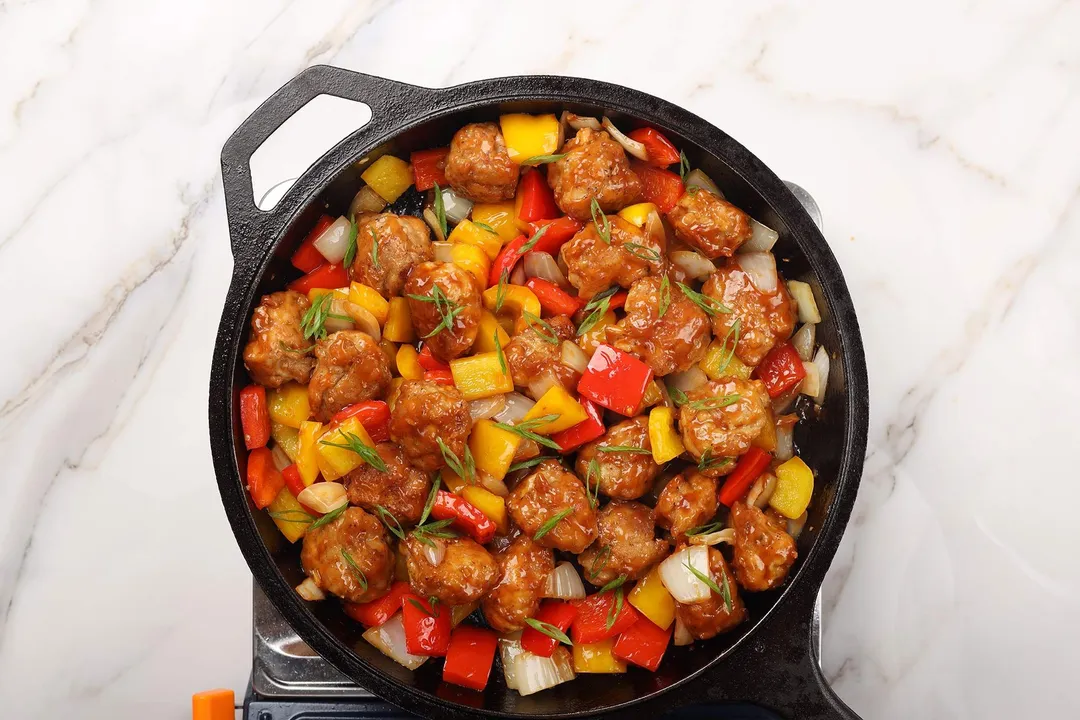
{"points": [[392, 104]]}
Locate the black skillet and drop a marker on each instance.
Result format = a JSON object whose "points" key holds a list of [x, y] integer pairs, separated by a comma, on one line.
{"points": [[771, 660]]}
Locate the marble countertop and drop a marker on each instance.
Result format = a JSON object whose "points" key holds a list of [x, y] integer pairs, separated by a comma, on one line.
{"points": [[940, 139]]}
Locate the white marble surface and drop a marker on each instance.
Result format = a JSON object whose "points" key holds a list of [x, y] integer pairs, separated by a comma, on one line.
{"points": [[940, 138]]}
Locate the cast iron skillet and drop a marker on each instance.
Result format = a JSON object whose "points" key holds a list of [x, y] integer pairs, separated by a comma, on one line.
{"points": [[770, 660]]}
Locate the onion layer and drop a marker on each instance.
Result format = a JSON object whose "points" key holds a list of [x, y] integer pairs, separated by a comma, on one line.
{"points": [[804, 299], [389, 638], [688, 380], [762, 238], [803, 342], [695, 265], [517, 407], [761, 267], [683, 584], [492, 484], [324, 497], [697, 178], [580, 121], [564, 583], [365, 321], [633, 147], [533, 673], [433, 222], [366, 201], [821, 361], [435, 552], [442, 251], [574, 357], [727, 535], [542, 265], [333, 243], [485, 408], [682, 635], [456, 207]]}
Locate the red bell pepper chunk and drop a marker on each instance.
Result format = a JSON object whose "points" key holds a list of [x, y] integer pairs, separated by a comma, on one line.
{"points": [[750, 467], [264, 481], [781, 369], [307, 258], [558, 613], [506, 260], [374, 415], [616, 380], [537, 200], [659, 149], [293, 481], [591, 624], [585, 431], [661, 187], [440, 377], [427, 626], [470, 657], [254, 416], [429, 167], [325, 276], [617, 300], [379, 611], [553, 299], [558, 232], [428, 361], [643, 644], [467, 516]]}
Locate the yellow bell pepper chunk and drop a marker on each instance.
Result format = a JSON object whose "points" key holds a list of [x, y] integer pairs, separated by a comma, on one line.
{"points": [[470, 234], [389, 177], [289, 515], [408, 363], [556, 401], [652, 395], [288, 438], [453, 482], [665, 441], [597, 657], [794, 486], [500, 217], [527, 136], [638, 214], [492, 448], [307, 462], [517, 300], [334, 461], [369, 298], [766, 439], [720, 362], [488, 329], [390, 351], [480, 376], [487, 502], [597, 334], [472, 260], [651, 599], [288, 404], [398, 327], [316, 293]]}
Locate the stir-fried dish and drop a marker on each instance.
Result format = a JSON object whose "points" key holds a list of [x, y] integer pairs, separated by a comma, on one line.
{"points": [[532, 397]]}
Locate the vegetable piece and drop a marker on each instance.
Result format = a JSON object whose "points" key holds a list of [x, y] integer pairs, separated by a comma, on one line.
{"points": [[643, 644], [287, 438], [652, 599], [585, 431], [389, 176], [326, 276], [781, 370], [694, 264], [379, 611], [427, 626], [455, 207], [794, 486], [750, 466], [556, 401], [307, 257], [597, 657], [662, 188], [665, 440], [324, 497], [553, 299], [366, 200], [374, 415], [487, 330], [487, 502], [470, 656], [658, 149], [500, 217], [486, 408], [558, 232], [535, 201], [468, 233], [441, 377], [616, 380], [638, 214], [720, 361], [677, 574], [564, 583], [336, 455], [288, 404], [516, 300], [762, 238], [466, 516], [493, 448], [408, 363], [573, 356], [531, 673], [821, 363], [289, 515], [293, 481], [632, 147], [481, 375], [504, 262], [398, 326], [697, 178], [264, 481], [310, 590], [682, 635], [543, 266], [390, 638], [529, 136], [370, 299], [307, 462], [254, 416], [428, 361], [553, 619], [761, 267], [472, 260], [803, 341], [602, 616], [333, 243], [429, 167]]}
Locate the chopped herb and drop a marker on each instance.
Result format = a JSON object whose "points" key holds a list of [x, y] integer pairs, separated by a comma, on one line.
{"points": [[705, 529], [597, 307], [684, 165], [711, 306], [548, 629], [360, 576], [599, 562], [440, 210], [485, 226], [705, 579], [526, 427], [616, 609], [677, 396], [708, 462], [374, 249], [500, 292], [665, 296], [532, 241], [436, 529], [614, 584], [624, 448], [420, 606], [524, 464], [543, 159], [367, 453], [638, 250], [298, 351], [726, 593], [600, 220], [313, 323], [552, 522], [593, 494], [431, 499], [499, 351], [540, 327], [350, 250], [296, 516], [448, 309], [390, 522], [461, 469], [736, 329], [714, 403], [329, 517]]}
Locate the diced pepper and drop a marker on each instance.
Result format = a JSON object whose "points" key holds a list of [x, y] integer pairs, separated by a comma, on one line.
{"points": [[254, 416], [288, 404], [453, 482], [557, 613], [440, 377], [213, 705], [369, 298], [766, 439], [637, 215], [585, 431], [390, 351], [376, 612], [749, 468], [528, 136], [473, 260], [292, 478], [643, 644], [781, 370], [719, 362], [399, 327], [597, 334], [307, 257], [556, 401], [374, 415], [666, 443], [794, 486], [618, 300], [558, 232], [517, 300], [482, 375], [389, 177], [466, 516], [264, 481], [408, 363], [427, 627], [591, 624], [291, 518], [553, 299], [470, 657], [500, 217], [336, 462], [615, 379], [662, 188], [429, 167], [469, 234], [506, 260], [658, 148], [652, 599], [492, 448], [488, 328], [597, 657], [428, 361], [307, 462], [287, 438], [325, 276], [315, 293], [537, 202], [487, 502]]}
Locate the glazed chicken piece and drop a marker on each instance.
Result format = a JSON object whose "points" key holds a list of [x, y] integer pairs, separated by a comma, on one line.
{"points": [[387, 247], [764, 552], [402, 490], [687, 501], [710, 224], [445, 307], [524, 567], [593, 166], [278, 351], [722, 417], [532, 356], [713, 616], [350, 368], [350, 557], [622, 474], [425, 412], [626, 546], [594, 265], [479, 167], [538, 501], [668, 343], [464, 574], [763, 319]]}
